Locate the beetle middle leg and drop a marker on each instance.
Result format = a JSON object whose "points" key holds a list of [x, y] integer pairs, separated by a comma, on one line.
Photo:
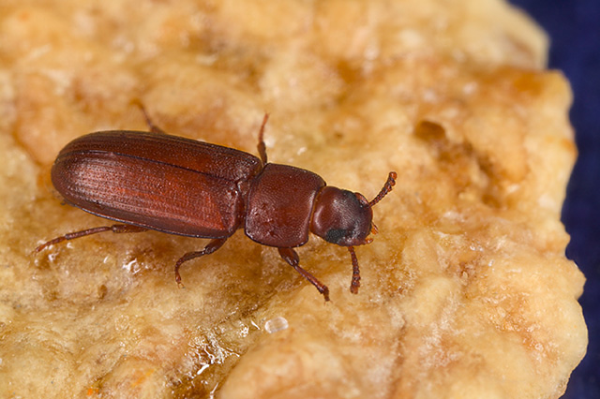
{"points": [[262, 148], [291, 257], [211, 247], [115, 228]]}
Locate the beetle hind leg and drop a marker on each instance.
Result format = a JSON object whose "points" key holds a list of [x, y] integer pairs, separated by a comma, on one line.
{"points": [[153, 128], [211, 247], [115, 228], [291, 257]]}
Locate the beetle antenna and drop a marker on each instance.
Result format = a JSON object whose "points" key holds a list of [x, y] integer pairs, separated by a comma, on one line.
{"points": [[387, 187]]}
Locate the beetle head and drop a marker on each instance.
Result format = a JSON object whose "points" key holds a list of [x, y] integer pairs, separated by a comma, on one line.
{"points": [[342, 217], [346, 218]]}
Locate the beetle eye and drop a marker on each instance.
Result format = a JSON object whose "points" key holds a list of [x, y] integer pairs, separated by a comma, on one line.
{"points": [[335, 235], [341, 217]]}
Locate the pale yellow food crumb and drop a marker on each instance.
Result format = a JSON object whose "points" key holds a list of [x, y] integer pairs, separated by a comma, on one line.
{"points": [[466, 292]]}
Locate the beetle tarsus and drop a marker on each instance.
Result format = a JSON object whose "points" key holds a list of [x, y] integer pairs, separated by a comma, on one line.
{"points": [[292, 258], [211, 247]]}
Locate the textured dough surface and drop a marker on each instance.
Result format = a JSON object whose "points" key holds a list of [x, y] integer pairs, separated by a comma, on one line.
{"points": [[466, 292]]}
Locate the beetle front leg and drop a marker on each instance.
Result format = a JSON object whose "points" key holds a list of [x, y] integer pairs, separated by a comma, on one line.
{"points": [[355, 284], [291, 257], [211, 247], [115, 228]]}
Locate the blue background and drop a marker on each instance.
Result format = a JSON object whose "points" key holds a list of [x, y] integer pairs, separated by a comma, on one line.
{"points": [[574, 29]]}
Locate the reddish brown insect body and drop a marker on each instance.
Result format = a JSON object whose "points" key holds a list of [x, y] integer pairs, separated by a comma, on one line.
{"points": [[151, 180]]}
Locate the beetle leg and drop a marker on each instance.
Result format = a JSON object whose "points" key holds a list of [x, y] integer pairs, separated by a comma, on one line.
{"points": [[355, 272], [115, 228], [211, 247], [291, 257], [153, 128], [262, 148]]}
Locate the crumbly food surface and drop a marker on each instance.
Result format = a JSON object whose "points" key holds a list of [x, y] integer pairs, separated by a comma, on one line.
{"points": [[466, 292]]}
